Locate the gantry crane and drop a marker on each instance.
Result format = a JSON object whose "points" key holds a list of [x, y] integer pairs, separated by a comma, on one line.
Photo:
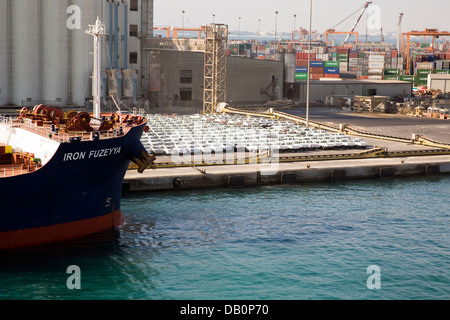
{"points": [[434, 33], [199, 30], [303, 34], [164, 28], [332, 31]]}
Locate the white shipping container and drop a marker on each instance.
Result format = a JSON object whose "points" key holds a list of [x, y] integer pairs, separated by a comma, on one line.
{"points": [[375, 71], [425, 65], [376, 65], [375, 77], [376, 58]]}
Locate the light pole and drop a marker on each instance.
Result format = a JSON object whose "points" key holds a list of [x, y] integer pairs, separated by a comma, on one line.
{"points": [[293, 37], [182, 14], [276, 22], [214, 17], [399, 33], [309, 66], [259, 27], [239, 28]]}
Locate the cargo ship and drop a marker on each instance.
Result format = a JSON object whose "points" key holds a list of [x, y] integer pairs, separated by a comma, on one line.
{"points": [[61, 172]]}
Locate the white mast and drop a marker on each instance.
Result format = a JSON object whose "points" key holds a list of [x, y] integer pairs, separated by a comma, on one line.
{"points": [[97, 31]]}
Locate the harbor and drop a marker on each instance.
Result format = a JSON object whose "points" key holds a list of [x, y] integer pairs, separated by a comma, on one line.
{"points": [[189, 151], [390, 151]]}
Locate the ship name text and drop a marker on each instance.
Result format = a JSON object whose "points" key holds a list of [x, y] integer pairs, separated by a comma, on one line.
{"points": [[74, 156]]}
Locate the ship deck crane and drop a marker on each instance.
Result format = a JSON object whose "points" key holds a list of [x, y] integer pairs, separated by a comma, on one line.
{"points": [[352, 31], [359, 18]]}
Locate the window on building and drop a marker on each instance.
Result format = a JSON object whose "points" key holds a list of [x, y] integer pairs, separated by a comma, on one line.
{"points": [[133, 30], [134, 5], [185, 76], [133, 57], [186, 94]]}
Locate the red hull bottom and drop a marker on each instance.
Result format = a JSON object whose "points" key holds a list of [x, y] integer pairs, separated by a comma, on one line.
{"points": [[54, 233]]}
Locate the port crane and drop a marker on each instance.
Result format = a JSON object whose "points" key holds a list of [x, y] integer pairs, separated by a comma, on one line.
{"points": [[352, 31], [167, 29], [199, 30], [434, 33]]}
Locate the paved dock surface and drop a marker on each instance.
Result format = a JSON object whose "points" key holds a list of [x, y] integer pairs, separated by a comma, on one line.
{"points": [[240, 175]]}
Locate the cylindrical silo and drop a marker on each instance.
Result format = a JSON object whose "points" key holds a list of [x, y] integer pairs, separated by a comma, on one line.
{"points": [[81, 45], [55, 54], [289, 67], [4, 52], [25, 50]]}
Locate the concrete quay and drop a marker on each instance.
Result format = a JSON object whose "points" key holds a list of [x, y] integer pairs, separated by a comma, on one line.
{"points": [[401, 161], [236, 176]]}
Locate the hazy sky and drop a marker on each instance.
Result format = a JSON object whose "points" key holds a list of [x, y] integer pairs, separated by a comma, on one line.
{"points": [[418, 14]]}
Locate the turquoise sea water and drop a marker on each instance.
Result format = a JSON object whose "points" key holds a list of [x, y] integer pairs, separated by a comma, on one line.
{"points": [[283, 242]]}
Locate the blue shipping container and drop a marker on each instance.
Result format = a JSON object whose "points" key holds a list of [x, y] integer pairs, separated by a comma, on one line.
{"points": [[301, 69], [331, 70], [317, 63]]}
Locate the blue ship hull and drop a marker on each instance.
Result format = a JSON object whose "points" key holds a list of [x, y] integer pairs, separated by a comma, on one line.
{"points": [[76, 193]]}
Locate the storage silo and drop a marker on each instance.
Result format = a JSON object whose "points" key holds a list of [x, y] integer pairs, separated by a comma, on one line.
{"points": [[4, 53], [26, 50], [289, 67], [55, 53], [80, 47]]}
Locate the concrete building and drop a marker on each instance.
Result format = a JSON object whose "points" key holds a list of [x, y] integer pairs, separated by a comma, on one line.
{"points": [[439, 82], [45, 53], [177, 75]]}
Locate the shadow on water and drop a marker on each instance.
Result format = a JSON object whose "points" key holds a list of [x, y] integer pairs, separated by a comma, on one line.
{"points": [[103, 243]]}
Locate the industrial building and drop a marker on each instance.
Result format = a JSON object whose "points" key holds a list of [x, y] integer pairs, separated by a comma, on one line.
{"points": [[45, 53], [45, 57]]}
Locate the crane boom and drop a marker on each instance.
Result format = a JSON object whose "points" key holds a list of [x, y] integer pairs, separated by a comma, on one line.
{"points": [[359, 18]]}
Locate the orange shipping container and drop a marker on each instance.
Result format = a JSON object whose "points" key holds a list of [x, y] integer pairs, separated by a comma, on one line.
{"points": [[317, 69], [316, 76], [331, 75]]}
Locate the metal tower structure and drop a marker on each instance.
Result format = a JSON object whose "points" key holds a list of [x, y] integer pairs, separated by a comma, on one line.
{"points": [[97, 31], [216, 44]]}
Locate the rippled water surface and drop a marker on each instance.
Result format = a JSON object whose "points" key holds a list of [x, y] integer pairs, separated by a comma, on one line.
{"points": [[284, 242]]}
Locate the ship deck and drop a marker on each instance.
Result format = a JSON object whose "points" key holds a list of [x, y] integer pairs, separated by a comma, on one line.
{"points": [[14, 163]]}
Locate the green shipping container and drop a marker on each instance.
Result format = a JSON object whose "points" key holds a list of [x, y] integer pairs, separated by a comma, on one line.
{"points": [[391, 77], [342, 57], [392, 72], [421, 72], [332, 64], [408, 78], [301, 76], [441, 71]]}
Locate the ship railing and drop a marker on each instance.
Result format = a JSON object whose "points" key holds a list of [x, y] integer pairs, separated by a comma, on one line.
{"points": [[15, 170], [57, 136]]}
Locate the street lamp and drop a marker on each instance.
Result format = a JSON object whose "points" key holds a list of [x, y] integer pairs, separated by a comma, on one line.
{"points": [[276, 17], [309, 66], [182, 23], [259, 27], [239, 27], [293, 37], [213, 17]]}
